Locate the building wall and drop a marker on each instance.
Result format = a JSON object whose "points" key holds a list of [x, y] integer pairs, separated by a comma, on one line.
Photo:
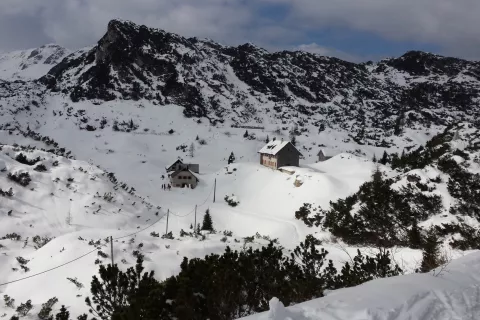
{"points": [[288, 156], [268, 160], [183, 178]]}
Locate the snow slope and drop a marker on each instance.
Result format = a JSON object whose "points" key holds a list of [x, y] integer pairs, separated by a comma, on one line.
{"points": [[444, 294], [32, 63]]}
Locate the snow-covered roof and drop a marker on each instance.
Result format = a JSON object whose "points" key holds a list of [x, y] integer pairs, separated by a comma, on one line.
{"points": [[329, 152], [273, 147], [174, 163]]}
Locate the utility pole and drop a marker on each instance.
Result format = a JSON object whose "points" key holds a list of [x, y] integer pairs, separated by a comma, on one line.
{"points": [[195, 225], [168, 213], [214, 190], [111, 248]]}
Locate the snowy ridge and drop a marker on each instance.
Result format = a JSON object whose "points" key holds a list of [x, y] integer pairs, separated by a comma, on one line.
{"points": [[30, 64], [373, 102]]}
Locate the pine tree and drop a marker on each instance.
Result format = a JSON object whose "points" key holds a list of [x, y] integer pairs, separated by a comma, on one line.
{"points": [[191, 150], [415, 236], [197, 138], [245, 135], [24, 308], [267, 140], [198, 229], [191, 226], [63, 314], [384, 159], [431, 252], [231, 159], [207, 221], [45, 312], [374, 158], [293, 140]]}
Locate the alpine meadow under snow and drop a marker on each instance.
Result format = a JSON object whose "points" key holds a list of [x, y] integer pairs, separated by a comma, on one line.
{"points": [[86, 137]]}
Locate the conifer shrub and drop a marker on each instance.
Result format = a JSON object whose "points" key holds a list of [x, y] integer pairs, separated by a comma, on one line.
{"points": [[40, 168], [228, 286], [384, 215], [24, 160], [24, 308], [22, 178], [46, 310], [231, 200], [431, 252], [9, 302]]}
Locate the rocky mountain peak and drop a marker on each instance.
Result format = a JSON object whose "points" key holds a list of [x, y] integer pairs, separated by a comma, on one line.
{"points": [[249, 85]]}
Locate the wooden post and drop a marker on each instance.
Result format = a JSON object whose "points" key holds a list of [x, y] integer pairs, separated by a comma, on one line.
{"points": [[111, 248], [195, 225], [168, 213], [214, 190]]}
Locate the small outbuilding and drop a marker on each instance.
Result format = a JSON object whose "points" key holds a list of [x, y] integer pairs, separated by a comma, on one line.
{"points": [[279, 153], [325, 154]]}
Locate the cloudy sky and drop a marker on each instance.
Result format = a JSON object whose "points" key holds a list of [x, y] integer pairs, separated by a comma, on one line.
{"points": [[350, 29]]}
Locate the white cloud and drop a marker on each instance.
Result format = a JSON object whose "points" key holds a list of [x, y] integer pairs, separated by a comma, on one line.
{"points": [[330, 52], [76, 23]]}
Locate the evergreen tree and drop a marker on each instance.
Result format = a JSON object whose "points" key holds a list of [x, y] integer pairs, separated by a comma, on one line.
{"points": [[191, 226], [199, 228], [63, 314], [197, 138], [129, 295], [45, 312], [384, 159], [191, 150], [293, 140], [245, 135], [267, 140], [207, 221], [374, 158], [24, 308], [415, 236], [231, 159], [431, 252]]}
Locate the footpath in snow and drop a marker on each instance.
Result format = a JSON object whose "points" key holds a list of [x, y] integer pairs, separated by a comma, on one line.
{"points": [[452, 293]]}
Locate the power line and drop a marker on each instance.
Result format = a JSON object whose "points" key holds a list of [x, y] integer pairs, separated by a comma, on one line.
{"points": [[45, 271], [186, 215], [137, 232], [96, 249]]}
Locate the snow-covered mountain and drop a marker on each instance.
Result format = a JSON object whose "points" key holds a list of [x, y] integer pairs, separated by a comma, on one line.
{"points": [[30, 64], [247, 84]]}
